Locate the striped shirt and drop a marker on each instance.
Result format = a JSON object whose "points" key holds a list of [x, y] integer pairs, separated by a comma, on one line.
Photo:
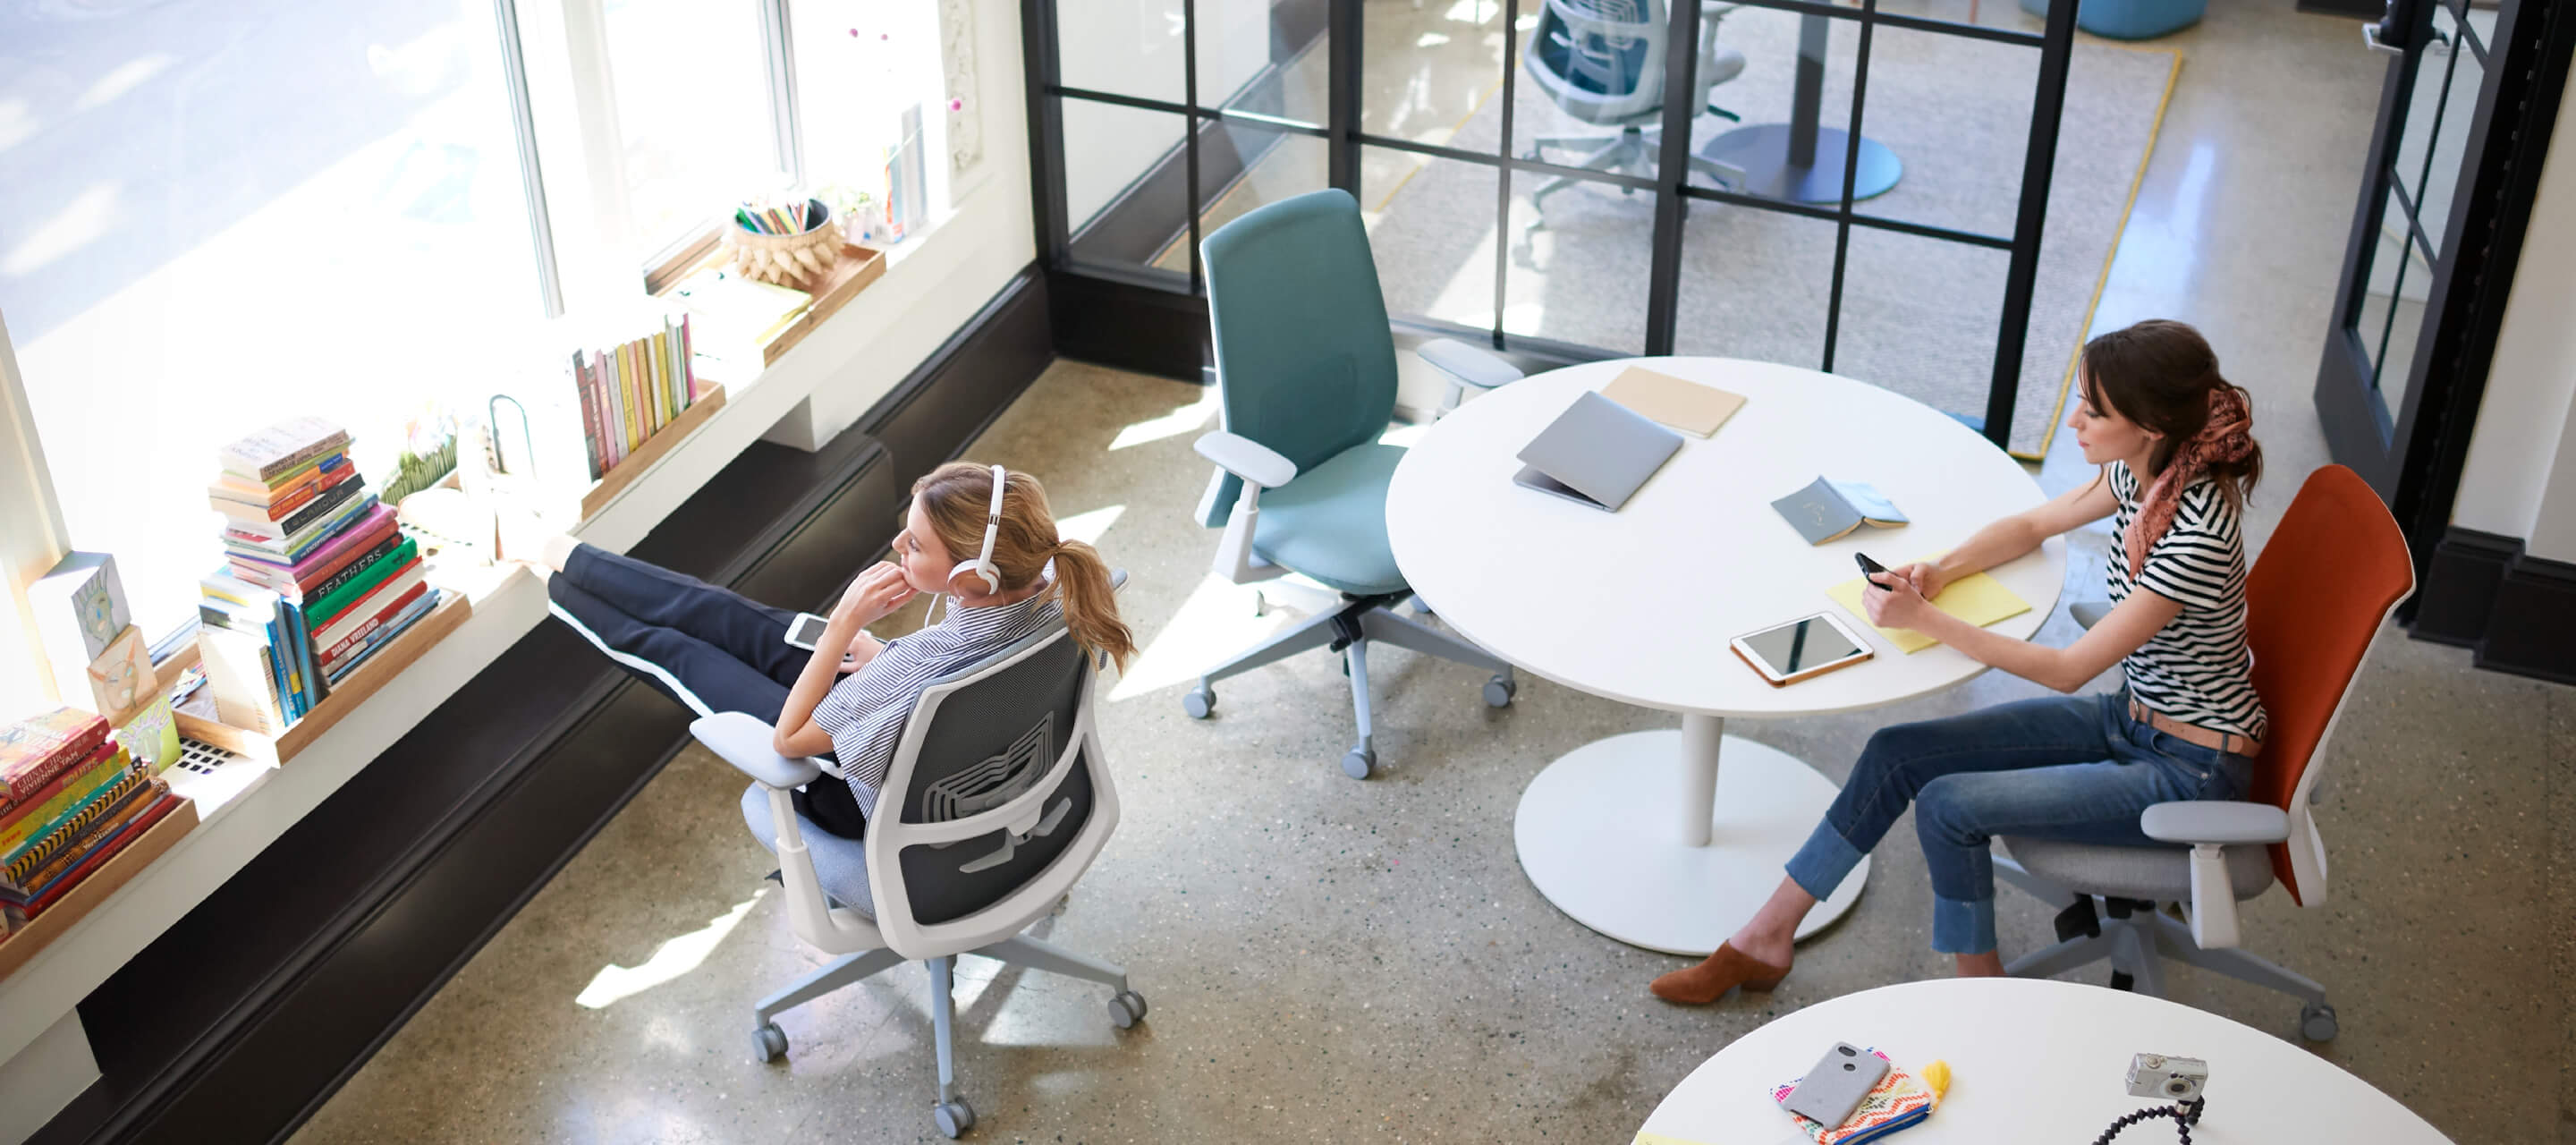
{"points": [[2196, 668], [866, 711]]}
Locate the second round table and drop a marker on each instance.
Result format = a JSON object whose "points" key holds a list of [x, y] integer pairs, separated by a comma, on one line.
{"points": [[1643, 836]]}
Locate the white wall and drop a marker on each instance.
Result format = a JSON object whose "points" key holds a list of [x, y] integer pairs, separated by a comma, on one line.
{"points": [[956, 268], [2520, 478]]}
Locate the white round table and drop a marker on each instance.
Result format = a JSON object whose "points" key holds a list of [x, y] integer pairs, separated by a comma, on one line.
{"points": [[2037, 1062], [1641, 836]]}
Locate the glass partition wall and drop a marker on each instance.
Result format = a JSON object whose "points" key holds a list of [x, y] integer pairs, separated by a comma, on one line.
{"points": [[1856, 187]]}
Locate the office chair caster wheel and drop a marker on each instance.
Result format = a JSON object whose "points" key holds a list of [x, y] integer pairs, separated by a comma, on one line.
{"points": [[1360, 762], [1499, 691], [954, 1117], [768, 1042], [2122, 980], [2317, 1022], [1126, 1009], [1199, 702]]}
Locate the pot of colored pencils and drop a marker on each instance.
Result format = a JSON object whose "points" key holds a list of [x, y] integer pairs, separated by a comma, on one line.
{"points": [[788, 244]]}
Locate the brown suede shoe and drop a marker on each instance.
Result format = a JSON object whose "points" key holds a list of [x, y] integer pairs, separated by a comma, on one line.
{"points": [[1721, 972]]}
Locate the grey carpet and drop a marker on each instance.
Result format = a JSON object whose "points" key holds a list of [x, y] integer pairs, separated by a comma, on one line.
{"points": [[1919, 315]]}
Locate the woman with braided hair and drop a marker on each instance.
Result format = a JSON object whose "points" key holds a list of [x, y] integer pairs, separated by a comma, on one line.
{"points": [[2175, 444]]}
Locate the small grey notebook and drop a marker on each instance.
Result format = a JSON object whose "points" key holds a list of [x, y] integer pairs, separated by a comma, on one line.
{"points": [[1827, 509], [1596, 453]]}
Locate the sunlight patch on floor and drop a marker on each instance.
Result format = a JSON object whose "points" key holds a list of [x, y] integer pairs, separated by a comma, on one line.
{"points": [[672, 959]]}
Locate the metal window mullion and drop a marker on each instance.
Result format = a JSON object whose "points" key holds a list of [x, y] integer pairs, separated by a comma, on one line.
{"points": [[1342, 94], [1190, 133], [1851, 177], [1503, 175], [777, 34], [2039, 164], [532, 179], [1672, 173], [1043, 62]]}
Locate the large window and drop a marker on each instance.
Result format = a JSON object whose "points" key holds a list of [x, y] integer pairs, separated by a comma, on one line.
{"points": [[1854, 186], [219, 215]]}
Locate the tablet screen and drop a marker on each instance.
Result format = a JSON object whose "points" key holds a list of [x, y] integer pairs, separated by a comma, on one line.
{"points": [[1800, 646]]}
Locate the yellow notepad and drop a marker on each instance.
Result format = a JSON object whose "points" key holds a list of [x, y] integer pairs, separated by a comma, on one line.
{"points": [[1976, 598]]}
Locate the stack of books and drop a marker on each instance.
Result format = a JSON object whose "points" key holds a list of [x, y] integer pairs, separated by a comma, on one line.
{"points": [[70, 799], [306, 593], [629, 392]]}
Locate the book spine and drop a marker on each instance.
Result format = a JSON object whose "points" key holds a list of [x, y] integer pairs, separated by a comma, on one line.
{"points": [[377, 572], [100, 830], [352, 569], [634, 399], [688, 360], [32, 775], [358, 635], [151, 812], [589, 415], [289, 677], [303, 637], [650, 378], [384, 634], [33, 853], [67, 792], [29, 860]]}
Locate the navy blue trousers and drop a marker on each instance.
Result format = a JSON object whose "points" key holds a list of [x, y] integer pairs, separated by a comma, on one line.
{"points": [[710, 649]]}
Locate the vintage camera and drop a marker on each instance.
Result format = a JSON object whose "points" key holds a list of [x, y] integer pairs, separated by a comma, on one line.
{"points": [[2173, 1079]]}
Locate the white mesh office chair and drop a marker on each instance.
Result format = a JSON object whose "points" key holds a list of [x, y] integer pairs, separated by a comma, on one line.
{"points": [[1602, 63], [997, 800], [2328, 580]]}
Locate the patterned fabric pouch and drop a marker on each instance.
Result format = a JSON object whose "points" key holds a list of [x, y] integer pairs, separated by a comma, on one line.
{"points": [[1898, 1100]]}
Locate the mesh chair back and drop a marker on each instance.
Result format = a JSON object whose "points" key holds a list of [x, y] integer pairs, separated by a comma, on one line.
{"points": [[1305, 360], [1007, 742], [1602, 61], [2325, 582]]}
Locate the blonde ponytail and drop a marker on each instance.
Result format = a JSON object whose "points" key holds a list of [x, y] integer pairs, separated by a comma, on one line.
{"points": [[1090, 602], [958, 497]]}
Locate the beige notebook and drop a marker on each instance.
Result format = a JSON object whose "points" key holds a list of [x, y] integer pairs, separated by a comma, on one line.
{"points": [[1687, 406]]}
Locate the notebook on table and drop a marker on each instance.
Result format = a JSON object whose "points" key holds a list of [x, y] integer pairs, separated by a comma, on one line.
{"points": [[1690, 407], [1827, 509], [1976, 598], [1596, 453]]}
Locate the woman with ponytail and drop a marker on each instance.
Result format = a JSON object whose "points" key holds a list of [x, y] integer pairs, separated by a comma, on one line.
{"points": [[998, 561], [2177, 454]]}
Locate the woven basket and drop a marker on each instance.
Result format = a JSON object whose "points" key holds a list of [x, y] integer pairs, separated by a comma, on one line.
{"points": [[788, 260]]}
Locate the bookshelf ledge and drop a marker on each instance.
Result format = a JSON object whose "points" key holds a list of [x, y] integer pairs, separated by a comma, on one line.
{"points": [[41, 931], [615, 481], [196, 720]]}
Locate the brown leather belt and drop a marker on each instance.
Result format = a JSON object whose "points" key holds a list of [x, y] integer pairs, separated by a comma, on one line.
{"points": [[2210, 738]]}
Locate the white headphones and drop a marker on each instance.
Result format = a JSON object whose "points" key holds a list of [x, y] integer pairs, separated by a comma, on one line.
{"points": [[982, 565]]}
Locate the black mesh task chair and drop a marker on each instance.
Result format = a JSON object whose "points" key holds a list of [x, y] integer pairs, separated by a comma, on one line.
{"points": [[996, 802]]}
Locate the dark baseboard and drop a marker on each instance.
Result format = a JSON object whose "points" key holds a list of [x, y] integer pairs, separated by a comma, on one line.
{"points": [[2533, 629], [2481, 591], [246, 1015], [2460, 583]]}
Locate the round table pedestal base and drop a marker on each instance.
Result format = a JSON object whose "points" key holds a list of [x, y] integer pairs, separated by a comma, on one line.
{"points": [[1761, 150], [1599, 835]]}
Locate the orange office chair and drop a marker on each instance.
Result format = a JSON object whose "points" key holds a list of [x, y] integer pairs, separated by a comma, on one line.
{"points": [[2316, 597]]}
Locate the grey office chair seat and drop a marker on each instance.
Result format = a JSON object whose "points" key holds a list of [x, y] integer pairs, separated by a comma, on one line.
{"points": [[841, 865], [2156, 874]]}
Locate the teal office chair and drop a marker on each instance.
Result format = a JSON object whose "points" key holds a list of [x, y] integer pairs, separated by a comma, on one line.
{"points": [[1306, 375]]}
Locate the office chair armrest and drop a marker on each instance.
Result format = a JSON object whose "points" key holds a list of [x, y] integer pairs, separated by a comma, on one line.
{"points": [[2211, 826], [2218, 822], [742, 739], [1246, 458], [1479, 368]]}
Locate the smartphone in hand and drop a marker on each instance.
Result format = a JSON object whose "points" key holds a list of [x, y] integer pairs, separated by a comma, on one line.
{"points": [[1870, 568]]}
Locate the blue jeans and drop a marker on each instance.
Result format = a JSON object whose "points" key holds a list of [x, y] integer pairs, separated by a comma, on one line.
{"points": [[2071, 768]]}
